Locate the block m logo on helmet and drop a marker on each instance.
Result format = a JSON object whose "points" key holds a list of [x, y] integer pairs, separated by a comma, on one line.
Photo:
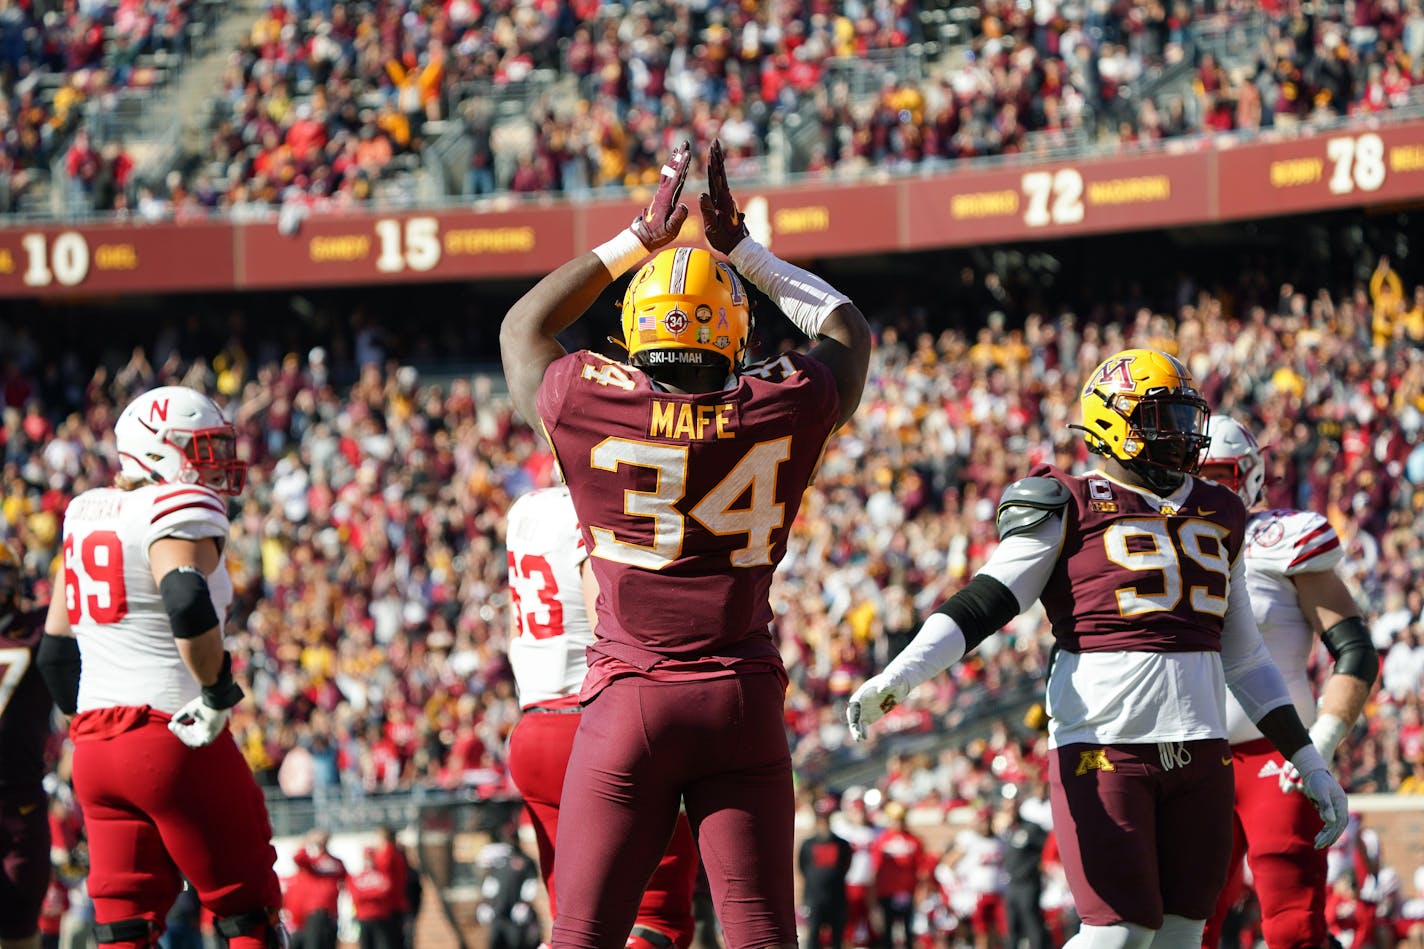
{"points": [[1113, 375]]}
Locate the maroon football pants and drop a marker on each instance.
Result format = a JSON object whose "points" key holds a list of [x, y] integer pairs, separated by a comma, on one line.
{"points": [[716, 747], [157, 811], [1276, 828], [24, 860], [539, 751], [1142, 831]]}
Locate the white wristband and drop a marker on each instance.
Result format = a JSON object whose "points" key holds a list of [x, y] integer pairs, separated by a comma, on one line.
{"points": [[805, 298], [1327, 733], [938, 645], [621, 254], [1307, 759]]}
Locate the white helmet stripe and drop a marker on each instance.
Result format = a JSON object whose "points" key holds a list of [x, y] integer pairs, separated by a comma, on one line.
{"points": [[677, 283]]}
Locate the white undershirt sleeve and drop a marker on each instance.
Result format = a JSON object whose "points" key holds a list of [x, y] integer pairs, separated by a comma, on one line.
{"points": [[1023, 563], [1251, 674]]}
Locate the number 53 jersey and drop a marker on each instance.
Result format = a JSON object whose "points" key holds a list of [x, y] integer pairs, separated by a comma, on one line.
{"points": [[114, 607], [685, 502]]}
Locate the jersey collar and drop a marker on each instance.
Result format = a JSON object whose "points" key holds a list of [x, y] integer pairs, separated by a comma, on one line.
{"points": [[1176, 500]]}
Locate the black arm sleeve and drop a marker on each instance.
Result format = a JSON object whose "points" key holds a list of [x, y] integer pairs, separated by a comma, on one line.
{"points": [[981, 609], [58, 661], [187, 602], [1351, 648]]}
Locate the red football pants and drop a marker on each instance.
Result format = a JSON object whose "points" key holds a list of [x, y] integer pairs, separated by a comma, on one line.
{"points": [[718, 748], [155, 809], [539, 749], [1276, 831]]}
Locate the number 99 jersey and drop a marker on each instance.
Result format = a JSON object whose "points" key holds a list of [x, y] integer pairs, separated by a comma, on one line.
{"points": [[113, 604], [551, 624]]}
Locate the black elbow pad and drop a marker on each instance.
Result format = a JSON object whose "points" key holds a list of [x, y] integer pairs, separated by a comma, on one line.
{"points": [[981, 609], [59, 664], [1350, 646], [187, 602]]}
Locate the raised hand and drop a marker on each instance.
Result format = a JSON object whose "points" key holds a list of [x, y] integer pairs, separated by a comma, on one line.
{"points": [[660, 224], [721, 219], [870, 702]]}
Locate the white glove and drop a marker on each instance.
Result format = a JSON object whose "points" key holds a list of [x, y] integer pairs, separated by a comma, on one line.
{"points": [[1324, 792], [876, 696], [197, 725]]}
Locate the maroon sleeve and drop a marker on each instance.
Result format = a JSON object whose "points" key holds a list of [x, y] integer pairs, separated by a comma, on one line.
{"points": [[554, 387]]}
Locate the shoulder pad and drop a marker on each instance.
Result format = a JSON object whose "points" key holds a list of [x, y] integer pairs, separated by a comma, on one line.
{"points": [[1029, 502]]}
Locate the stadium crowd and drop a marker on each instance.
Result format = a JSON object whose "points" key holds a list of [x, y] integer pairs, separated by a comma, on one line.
{"points": [[370, 620], [323, 103]]}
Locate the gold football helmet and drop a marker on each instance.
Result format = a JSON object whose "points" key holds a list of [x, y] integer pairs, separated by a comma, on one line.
{"points": [[685, 307], [1141, 407]]}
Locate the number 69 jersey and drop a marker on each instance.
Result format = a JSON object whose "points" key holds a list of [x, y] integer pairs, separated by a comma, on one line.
{"points": [[686, 500], [551, 624], [114, 607]]}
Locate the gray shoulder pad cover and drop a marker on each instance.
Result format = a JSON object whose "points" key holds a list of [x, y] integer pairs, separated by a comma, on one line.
{"points": [[1029, 502]]}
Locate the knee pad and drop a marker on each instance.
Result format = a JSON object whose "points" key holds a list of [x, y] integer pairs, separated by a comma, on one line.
{"points": [[645, 937], [1179, 932], [128, 932], [264, 922], [1116, 936]]}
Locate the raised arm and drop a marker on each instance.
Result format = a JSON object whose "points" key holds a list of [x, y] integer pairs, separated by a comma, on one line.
{"points": [[841, 334], [528, 341]]}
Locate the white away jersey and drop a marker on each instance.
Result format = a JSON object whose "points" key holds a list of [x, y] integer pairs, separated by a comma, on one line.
{"points": [[125, 642], [981, 862], [1279, 545], [546, 555]]}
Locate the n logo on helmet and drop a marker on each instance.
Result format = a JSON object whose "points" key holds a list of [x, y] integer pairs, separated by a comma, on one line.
{"points": [[158, 411]]}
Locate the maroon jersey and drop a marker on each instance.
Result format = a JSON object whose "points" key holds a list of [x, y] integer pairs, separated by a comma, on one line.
{"points": [[24, 705], [1134, 578], [685, 500]]}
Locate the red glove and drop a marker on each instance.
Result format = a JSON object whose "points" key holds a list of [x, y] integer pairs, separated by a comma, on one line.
{"points": [[661, 223], [723, 223]]}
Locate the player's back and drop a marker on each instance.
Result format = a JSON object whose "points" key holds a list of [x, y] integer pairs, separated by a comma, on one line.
{"points": [[1279, 545], [552, 629], [126, 644], [686, 499], [24, 704]]}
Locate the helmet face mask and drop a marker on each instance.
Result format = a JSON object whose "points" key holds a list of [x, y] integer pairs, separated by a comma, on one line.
{"points": [[686, 309], [176, 435]]}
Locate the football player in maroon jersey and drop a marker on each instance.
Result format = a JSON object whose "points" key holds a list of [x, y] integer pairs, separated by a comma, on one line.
{"points": [[1138, 567], [686, 468], [24, 730]]}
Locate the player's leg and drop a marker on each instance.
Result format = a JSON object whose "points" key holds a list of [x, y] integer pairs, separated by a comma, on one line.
{"points": [[24, 867], [665, 911], [1195, 821], [539, 749], [1105, 816], [1288, 873], [132, 881], [1246, 784], [742, 807], [618, 812], [214, 824]]}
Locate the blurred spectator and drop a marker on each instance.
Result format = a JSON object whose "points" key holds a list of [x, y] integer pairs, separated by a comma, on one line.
{"points": [[899, 859], [313, 895], [824, 861]]}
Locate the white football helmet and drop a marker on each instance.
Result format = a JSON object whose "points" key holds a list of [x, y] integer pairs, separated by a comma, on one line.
{"points": [[177, 435], [1233, 445]]}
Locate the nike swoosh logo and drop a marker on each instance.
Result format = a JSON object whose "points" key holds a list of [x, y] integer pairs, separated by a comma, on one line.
{"points": [[27, 808], [1204, 512], [1226, 761]]}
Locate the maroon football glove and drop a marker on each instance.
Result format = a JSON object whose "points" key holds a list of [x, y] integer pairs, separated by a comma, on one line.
{"points": [[660, 224], [721, 220]]}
